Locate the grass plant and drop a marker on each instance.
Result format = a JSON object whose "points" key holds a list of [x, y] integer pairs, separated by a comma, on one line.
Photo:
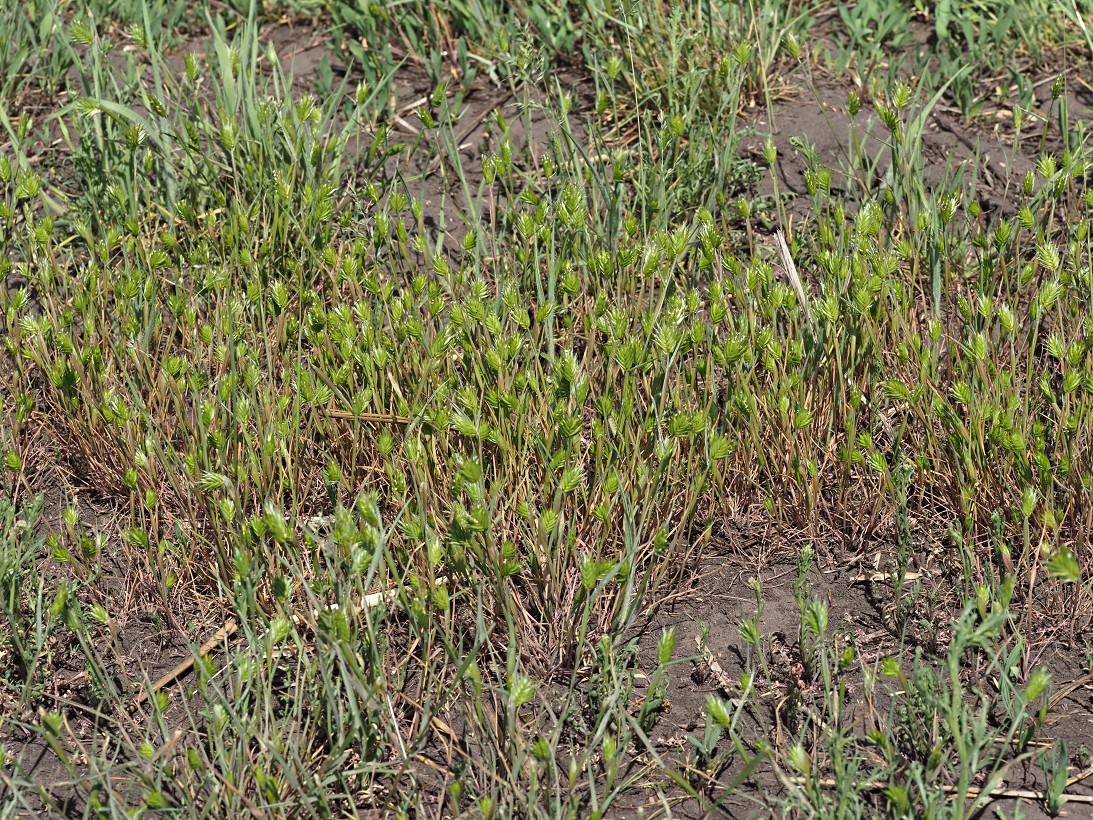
{"points": [[425, 441]]}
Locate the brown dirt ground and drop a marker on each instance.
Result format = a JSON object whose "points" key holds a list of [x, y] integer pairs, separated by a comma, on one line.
{"points": [[721, 598]]}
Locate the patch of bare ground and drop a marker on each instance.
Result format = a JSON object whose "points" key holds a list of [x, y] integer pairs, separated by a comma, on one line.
{"points": [[952, 150], [713, 656]]}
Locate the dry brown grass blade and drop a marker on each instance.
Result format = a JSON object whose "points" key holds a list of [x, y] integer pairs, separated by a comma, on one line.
{"points": [[721, 678], [222, 634], [1064, 692], [374, 418], [971, 794], [1079, 777], [791, 272], [886, 577]]}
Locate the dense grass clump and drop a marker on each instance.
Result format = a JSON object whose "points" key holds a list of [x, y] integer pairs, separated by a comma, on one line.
{"points": [[427, 406]]}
